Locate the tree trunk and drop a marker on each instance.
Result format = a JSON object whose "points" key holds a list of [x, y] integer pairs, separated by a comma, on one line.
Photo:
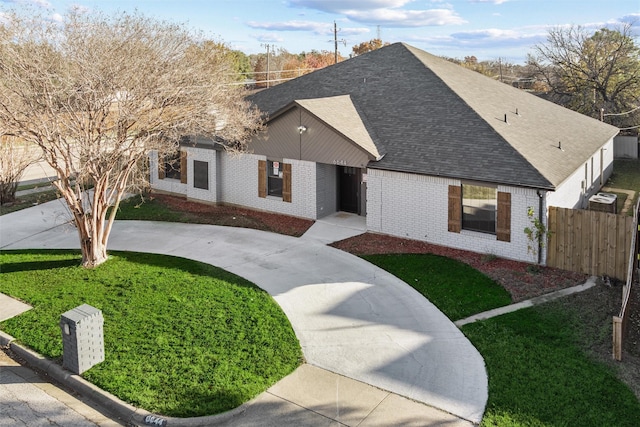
{"points": [[8, 192], [88, 217], [93, 252]]}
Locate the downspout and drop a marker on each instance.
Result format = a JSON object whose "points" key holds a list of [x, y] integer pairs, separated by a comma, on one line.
{"points": [[542, 220]]}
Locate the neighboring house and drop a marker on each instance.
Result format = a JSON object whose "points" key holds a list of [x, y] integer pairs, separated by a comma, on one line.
{"points": [[421, 147]]}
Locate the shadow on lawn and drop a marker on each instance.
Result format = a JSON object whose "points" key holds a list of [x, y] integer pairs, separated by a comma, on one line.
{"points": [[36, 265]]}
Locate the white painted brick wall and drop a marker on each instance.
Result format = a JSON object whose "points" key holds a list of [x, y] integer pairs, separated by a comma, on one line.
{"points": [[169, 185], [240, 186], [239, 182], [415, 207], [202, 155]]}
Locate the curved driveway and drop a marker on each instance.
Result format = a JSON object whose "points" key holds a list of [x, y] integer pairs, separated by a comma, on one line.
{"points": [[351, 317]]}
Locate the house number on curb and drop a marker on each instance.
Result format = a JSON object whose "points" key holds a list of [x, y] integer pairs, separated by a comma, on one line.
{"points": [[155, 421]]}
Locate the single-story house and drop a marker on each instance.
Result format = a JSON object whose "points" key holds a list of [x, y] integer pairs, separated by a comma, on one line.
{"points": [[421, 147]]}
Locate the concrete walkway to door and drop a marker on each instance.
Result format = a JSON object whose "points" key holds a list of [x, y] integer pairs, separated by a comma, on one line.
{"points": [[352, 318]]}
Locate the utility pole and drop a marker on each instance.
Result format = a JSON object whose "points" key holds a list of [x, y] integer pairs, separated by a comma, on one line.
{"points": [[335, 42], [268, 46]]}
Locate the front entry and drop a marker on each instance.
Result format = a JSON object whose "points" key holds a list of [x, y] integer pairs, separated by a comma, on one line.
{"points": [[348, 189]]}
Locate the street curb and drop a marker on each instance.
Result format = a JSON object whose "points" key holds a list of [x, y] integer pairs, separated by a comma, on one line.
{"points": [[124, 412]]}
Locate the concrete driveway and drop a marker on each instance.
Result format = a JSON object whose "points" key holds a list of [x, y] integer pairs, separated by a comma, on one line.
{"points": [[351, 317]]}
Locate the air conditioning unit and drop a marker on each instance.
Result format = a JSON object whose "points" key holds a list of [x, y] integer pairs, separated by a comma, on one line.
{"points": [[603, 202]]}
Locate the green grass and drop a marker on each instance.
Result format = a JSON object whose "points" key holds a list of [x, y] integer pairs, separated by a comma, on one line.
{"points": [[150, 209], [538, 360], [626, 175], [540, 376], [182, 338], [457, 289], [29, 200], [41, 185]]}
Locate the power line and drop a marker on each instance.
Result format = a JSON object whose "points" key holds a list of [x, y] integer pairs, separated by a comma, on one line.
{"points": [[620, 114]]}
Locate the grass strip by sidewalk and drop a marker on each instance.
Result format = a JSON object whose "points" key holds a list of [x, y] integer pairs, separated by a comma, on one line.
{"points": [[29, 200], [457, 289], [182, 338], [540, 376]]}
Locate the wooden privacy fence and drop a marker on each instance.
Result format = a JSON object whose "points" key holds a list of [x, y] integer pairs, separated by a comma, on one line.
{"points": [[591, 242], [620, 322]]}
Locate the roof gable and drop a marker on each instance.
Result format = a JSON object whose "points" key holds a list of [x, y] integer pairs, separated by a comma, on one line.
{"points": [[433, 117], [339, 113]]}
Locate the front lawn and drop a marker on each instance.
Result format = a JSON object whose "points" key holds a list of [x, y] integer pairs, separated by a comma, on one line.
{"points": [[549, 365], [457, 289], [540, 375], [182, 338]]}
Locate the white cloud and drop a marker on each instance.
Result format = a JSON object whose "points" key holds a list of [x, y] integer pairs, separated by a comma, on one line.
{"points": [[517, 42], [407, 18], [268, 38], [39, 3], [390, 13], [319, 28], [489, 1], [338, 6], [316, 27]]}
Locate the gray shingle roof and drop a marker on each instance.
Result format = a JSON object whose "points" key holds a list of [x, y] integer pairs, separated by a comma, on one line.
{"points": [[432, 117]]}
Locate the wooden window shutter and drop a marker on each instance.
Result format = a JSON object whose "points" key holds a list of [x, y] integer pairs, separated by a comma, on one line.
{"points": [[455, 208], [503, 226], [161, 162], [183, 167], [286, 182], [262, 178]]}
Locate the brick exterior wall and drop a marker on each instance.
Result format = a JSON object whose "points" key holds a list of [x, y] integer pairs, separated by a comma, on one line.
{"points": [[208, 156], [233, 179], [168, 185], [415, 207], [398, 204]]}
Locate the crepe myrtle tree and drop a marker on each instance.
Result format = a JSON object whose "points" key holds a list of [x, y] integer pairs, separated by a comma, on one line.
{"points": [[96, 93]]}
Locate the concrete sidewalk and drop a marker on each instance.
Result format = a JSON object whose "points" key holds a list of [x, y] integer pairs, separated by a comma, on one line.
{"points": [[28, 399], [358, 325]]}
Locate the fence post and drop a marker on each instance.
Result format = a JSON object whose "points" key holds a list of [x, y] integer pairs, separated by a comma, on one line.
{"points": [[617, 338]]}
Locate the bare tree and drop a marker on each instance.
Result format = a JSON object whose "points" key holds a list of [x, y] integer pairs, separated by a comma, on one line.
{"points": [[588, 72], [97, 93], [15, 157]]}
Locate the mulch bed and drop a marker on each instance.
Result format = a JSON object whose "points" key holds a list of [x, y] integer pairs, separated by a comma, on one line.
{"points": [[522, 280], [233, 216]]}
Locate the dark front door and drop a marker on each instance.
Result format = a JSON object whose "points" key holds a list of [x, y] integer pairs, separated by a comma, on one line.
{"points": [[349, 184]]}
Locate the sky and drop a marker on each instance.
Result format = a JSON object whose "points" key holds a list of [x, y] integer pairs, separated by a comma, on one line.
{"points": [[487, 29]]}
